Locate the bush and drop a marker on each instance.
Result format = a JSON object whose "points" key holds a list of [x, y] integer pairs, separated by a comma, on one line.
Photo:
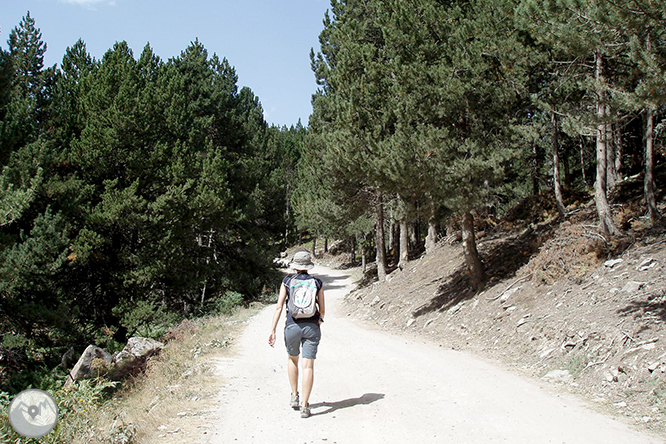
{"points": [[226, 304], [144, 318]]}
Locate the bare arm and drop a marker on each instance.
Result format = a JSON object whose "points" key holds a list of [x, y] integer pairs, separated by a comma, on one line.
{"points": [[278, 312], [322, 304]]}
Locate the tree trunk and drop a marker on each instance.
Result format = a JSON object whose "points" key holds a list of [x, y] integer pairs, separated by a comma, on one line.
{"points": [[648, 184], [601, 198], [611, 152], [393, 244], [472, 258], [416, 227], [557, 183], [566, 167], [353, 251], [582, 160], [416, 233], [364, 261], [314, 247], [287, 213], [379, 239], [619, 152], [431, 238], [325, 245], [404, 244], [535, 169]]}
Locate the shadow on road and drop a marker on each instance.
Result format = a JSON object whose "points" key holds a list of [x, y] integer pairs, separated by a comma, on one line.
{"points": [[366, 399], [331, 282]]}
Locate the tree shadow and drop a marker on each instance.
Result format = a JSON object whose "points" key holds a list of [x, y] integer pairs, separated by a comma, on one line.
{"points": [[331, 282], [501, 257], [366, 399], [654, 304], [457, 288]]}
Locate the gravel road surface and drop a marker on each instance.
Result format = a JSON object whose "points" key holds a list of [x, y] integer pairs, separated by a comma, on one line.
{"points": [[372, 387]]}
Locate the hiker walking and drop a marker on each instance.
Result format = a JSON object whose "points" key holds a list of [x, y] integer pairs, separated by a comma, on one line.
{"points": [[304, 296]]}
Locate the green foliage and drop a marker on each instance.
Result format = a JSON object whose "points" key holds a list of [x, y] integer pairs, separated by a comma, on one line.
{"points": [[13, 202], [447, 106], [26, 98], [227, 303], [144, 318], [135, 190], [417, 106]]}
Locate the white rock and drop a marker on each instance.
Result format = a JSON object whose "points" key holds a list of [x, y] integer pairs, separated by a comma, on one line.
{"points": [[509, 293], [646, 264], [562, 376], [524, 320], [632, 286], [547, 352], [456, 308], [613, 262]]}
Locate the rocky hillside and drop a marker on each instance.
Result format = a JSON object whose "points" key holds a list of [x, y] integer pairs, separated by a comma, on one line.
{"points": [[561, 304]]}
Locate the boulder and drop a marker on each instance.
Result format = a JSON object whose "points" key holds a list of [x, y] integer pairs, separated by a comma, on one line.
{"points": [[283, 261], [133, 358], [93, 362]]}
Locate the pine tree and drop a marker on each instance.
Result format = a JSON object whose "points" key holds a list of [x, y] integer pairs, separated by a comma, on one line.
{"points": [[24, 110], [414, 91], [580, 30], [479, 72], [6, 74], [355, 117], [67, 112], [643, 24]]}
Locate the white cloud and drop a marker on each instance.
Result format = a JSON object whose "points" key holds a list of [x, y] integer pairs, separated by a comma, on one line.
{"points": [[89, 2]]}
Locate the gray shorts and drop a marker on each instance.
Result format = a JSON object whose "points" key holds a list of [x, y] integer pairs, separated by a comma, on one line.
{"points": [[306, 334]]}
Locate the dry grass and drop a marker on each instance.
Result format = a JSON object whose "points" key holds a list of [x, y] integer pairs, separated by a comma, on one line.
{"points": [[168, 402], [572, 253]]}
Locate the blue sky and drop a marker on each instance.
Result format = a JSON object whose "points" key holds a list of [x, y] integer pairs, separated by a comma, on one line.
{"points": [[267, 41]]}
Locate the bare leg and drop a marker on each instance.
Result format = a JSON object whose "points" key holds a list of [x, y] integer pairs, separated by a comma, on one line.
{"points": [[308, 380], [292, 371]]}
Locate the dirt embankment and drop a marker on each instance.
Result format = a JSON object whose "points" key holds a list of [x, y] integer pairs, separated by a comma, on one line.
{"points": [[554, 308]]}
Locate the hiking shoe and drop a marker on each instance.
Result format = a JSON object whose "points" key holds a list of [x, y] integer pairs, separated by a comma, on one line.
{"points": [[305, 411], [294, 403]]}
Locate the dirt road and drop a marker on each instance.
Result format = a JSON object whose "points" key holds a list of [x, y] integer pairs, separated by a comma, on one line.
{"points": [[371, 387]]}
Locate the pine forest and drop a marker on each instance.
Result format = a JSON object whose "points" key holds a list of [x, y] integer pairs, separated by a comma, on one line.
{"points": [[136, 192]]}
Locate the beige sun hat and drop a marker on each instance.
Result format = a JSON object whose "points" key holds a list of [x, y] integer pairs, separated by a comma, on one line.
{"points": [[301, 261]]}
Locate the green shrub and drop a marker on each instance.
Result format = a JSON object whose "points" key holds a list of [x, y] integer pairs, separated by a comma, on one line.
{"points": [[228, 302], [145, 318]]}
